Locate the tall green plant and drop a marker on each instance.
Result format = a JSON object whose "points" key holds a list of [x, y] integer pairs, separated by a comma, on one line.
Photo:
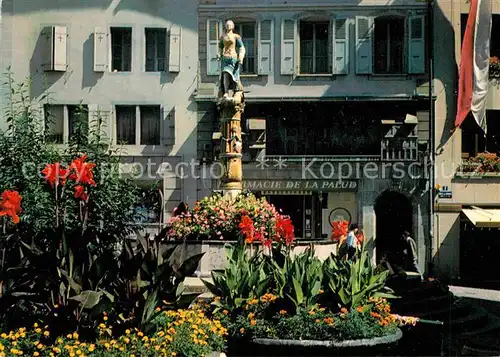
{"points": [[351, 284], [243, 279], [298, 279]]}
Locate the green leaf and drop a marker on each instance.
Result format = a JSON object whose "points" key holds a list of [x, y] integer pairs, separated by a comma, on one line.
{"points": [[299, 295], [88, 298], [189, 266]]}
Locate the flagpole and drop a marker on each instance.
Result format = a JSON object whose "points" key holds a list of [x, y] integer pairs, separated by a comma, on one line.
{"points": [[430, 51]]}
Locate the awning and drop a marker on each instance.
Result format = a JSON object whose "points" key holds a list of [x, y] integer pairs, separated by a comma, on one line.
{"points": [[286, 193], [483, 218]]}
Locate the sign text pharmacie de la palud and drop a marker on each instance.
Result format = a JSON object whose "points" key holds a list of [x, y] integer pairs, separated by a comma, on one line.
{"points": [[311, 185]]}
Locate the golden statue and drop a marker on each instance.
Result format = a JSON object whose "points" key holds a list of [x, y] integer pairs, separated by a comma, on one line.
{"points": [[231, 53]]}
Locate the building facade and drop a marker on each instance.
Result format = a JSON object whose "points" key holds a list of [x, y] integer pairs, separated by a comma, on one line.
{"points": [[132, 65], [466, 220], [337, 112]]}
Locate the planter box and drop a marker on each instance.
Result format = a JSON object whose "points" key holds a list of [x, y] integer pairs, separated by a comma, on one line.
{"points": [[215, 255], [377, 346]]}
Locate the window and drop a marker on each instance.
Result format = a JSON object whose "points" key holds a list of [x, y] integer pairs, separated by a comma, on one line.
{"points": [[54, 123], [125, 125], [247, 31], [78, 119], [156, 43], [138, 125], [495, 31], [389, 45], [473, 140], [76, 116], [150, 125], [314, 47], [121, 49]]}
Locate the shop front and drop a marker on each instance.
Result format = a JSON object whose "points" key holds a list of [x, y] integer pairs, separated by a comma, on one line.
{"points": [[311, 204]]}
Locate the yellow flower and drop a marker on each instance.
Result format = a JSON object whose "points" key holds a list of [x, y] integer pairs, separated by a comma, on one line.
{"points": [[242, 330], [127, 331], [46, 333], [225, 312], [140, 334], [35, 325], [70, 336], [40, 346], [91, 348], [78, 352], [58, 350], [253, 322], [251, 316], [38, 330]]}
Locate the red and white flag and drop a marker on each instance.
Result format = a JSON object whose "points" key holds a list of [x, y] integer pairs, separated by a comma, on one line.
{"points": [[474, 64]]}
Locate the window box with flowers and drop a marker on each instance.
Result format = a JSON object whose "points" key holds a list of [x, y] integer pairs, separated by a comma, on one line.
{"points": [[216, 221], [494, 68], [483, 165]]}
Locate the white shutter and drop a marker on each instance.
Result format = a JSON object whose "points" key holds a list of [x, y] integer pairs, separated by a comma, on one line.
{"points": [[364, 46], [174, 55], [100, 49], [416, 45], [47, 48], [340, 46], [214, 32], [288, 46], [60, 48], [168, 127], [265, 49]]}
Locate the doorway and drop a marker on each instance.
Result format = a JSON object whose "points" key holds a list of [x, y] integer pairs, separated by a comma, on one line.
{"points": [[394, 215]]}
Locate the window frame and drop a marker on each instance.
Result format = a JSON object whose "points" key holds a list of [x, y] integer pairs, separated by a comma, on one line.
{"points": [[404, 47], [314, 23], [238, 30], [138, 125], [111, 48], [157, 31], [66, 112]]}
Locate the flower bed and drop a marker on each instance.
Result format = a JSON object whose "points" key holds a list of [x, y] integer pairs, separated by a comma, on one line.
{"points": [[178, 333], [278, 299]]}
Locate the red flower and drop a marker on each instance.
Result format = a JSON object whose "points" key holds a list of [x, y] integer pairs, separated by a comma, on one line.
{"points": [[80, 192], [10, 205], [285, 230], [81, 171], [360, 237], [247, 229], [55, 174], [339, 231]]}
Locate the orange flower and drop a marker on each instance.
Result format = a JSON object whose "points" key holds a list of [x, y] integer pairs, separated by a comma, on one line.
{"points": [[282, 312], [81, 171], [343, 310], [10, 205], [317, 321], [359, 309], [339, 231], [55, 174], [80, 192], [328, 320], [253, 322]]}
